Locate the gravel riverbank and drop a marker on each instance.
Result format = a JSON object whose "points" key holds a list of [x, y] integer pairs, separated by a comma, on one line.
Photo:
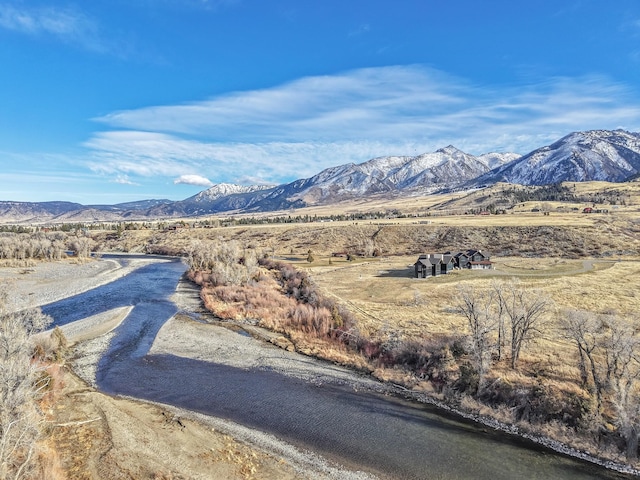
{"points": [[185, 444]]}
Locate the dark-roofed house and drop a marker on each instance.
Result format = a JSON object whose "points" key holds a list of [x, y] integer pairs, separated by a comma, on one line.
{"points": [[461, 260], [479, 260], [448, 263], [427, 266], [434, 264]]}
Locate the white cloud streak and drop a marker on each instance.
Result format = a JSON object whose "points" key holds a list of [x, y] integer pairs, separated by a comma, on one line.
{"points": [[196, 180], [124, 180], [296, 129], [66, 25]]}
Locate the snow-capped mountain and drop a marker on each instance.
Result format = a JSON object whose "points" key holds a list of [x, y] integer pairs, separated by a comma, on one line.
{"points": [[445, 168], [224, 189], [579, 157]]}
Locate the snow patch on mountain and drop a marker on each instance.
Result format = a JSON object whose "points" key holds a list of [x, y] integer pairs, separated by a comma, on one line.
{"points": [[580, 156], [225, 189]]}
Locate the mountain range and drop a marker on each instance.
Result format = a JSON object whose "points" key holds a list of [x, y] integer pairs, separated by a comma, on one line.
{"points": [[580, 156]]}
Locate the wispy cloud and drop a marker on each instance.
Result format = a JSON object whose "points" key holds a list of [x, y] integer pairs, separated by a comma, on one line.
{"points": [[65, 24], [155, 154], [124, 180], [296, 129], [311, 108], [197, 180]]}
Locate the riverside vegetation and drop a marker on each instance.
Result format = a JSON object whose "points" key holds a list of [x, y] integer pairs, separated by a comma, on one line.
{"points": [[588, 399], [29, 379]]}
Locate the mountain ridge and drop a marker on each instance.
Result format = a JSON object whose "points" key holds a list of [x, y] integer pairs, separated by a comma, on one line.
{"points": [[609, 155]]}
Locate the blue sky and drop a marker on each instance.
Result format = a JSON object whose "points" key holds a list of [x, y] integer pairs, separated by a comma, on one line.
{"points": [[121, 100]]}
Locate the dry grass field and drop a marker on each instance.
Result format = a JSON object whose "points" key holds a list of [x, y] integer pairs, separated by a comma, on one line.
{"points": [[410, 331], [384, 294], [583, 261]]}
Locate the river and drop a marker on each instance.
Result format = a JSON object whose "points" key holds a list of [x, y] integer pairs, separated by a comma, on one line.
{"points": [[361, 429]]}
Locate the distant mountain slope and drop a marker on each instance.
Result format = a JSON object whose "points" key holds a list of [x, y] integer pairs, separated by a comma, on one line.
{"points": [[138, 205], [606, 155], [67, 212], [394, 175], [581, 156], [223, 197], [225, 189], [26, 211]]}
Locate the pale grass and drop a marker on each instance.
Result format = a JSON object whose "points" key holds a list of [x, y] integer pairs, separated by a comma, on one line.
{"points": [[461, 201], [384, 296], [570, 235], [49, 462], [582, 261]]}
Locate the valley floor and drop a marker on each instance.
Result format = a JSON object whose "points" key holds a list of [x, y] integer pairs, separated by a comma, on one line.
{"points": [[99, 436]]}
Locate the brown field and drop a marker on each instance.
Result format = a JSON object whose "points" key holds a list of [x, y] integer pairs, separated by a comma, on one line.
{"points": [[588, 261], [384, 295], [458, 202], [581, 261]]}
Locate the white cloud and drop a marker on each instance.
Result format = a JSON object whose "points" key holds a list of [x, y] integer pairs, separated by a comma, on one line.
{"points": [[296, 129], [124, 180], [157, 154], [197, 180], [311, 108], [65, 24]]}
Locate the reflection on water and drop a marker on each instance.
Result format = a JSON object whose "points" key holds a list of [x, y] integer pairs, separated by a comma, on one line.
{"points": [[364, 430]]}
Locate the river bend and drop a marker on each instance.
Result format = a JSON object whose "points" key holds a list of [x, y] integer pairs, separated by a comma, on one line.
{"points": [[360, 428]]}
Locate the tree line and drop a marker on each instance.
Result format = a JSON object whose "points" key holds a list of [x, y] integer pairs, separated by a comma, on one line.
{"points": [[558, 192], [43, 246], [505, 319]]}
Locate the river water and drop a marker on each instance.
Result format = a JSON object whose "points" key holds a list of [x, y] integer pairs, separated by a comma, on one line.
{"points": [[364, 430]]}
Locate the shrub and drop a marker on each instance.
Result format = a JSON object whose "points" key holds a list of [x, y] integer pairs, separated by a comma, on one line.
{"points": [[22, 382], [469, 379]]}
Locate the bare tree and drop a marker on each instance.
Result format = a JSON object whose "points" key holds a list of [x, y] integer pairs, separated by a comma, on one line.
{"points": [[623, 372], [525, 310], [482, 325], [82, 246], [499, 313], [20, 387], [611, 347], [226, 261], [585, 330]]}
